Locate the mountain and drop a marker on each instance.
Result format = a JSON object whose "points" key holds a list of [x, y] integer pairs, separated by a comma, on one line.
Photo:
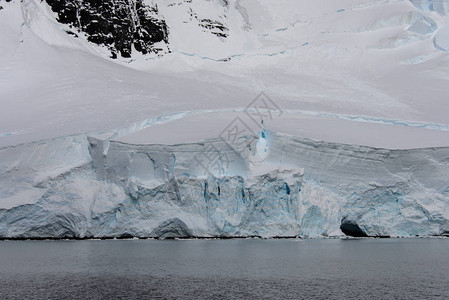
{"points": [[223, 118]]}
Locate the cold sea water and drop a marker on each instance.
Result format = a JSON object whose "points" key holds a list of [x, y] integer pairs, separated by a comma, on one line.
{"points": [[225, 269]]}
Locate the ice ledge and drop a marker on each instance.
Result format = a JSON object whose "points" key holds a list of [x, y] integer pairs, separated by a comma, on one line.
{"points": [[280, 185]]}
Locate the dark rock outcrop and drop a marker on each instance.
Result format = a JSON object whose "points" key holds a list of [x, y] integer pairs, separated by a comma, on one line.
{"points": [[119, 25]]}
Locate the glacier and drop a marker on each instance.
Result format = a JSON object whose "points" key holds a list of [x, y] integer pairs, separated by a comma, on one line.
{"points": [[297, 187], [100, 140]]}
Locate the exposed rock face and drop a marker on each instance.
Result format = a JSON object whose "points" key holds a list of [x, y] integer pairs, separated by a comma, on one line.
{"points": [[120, 25], [131, 27], [208, 19]]}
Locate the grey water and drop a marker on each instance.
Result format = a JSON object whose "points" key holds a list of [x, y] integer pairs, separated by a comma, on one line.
{"points": [[225, 269]]}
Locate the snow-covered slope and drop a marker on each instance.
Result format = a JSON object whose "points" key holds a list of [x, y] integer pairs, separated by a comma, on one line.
{"points": [[352, 58], [106, 110]]}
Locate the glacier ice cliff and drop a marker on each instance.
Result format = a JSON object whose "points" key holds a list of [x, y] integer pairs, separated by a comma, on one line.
{"points": [[79, 186]]}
